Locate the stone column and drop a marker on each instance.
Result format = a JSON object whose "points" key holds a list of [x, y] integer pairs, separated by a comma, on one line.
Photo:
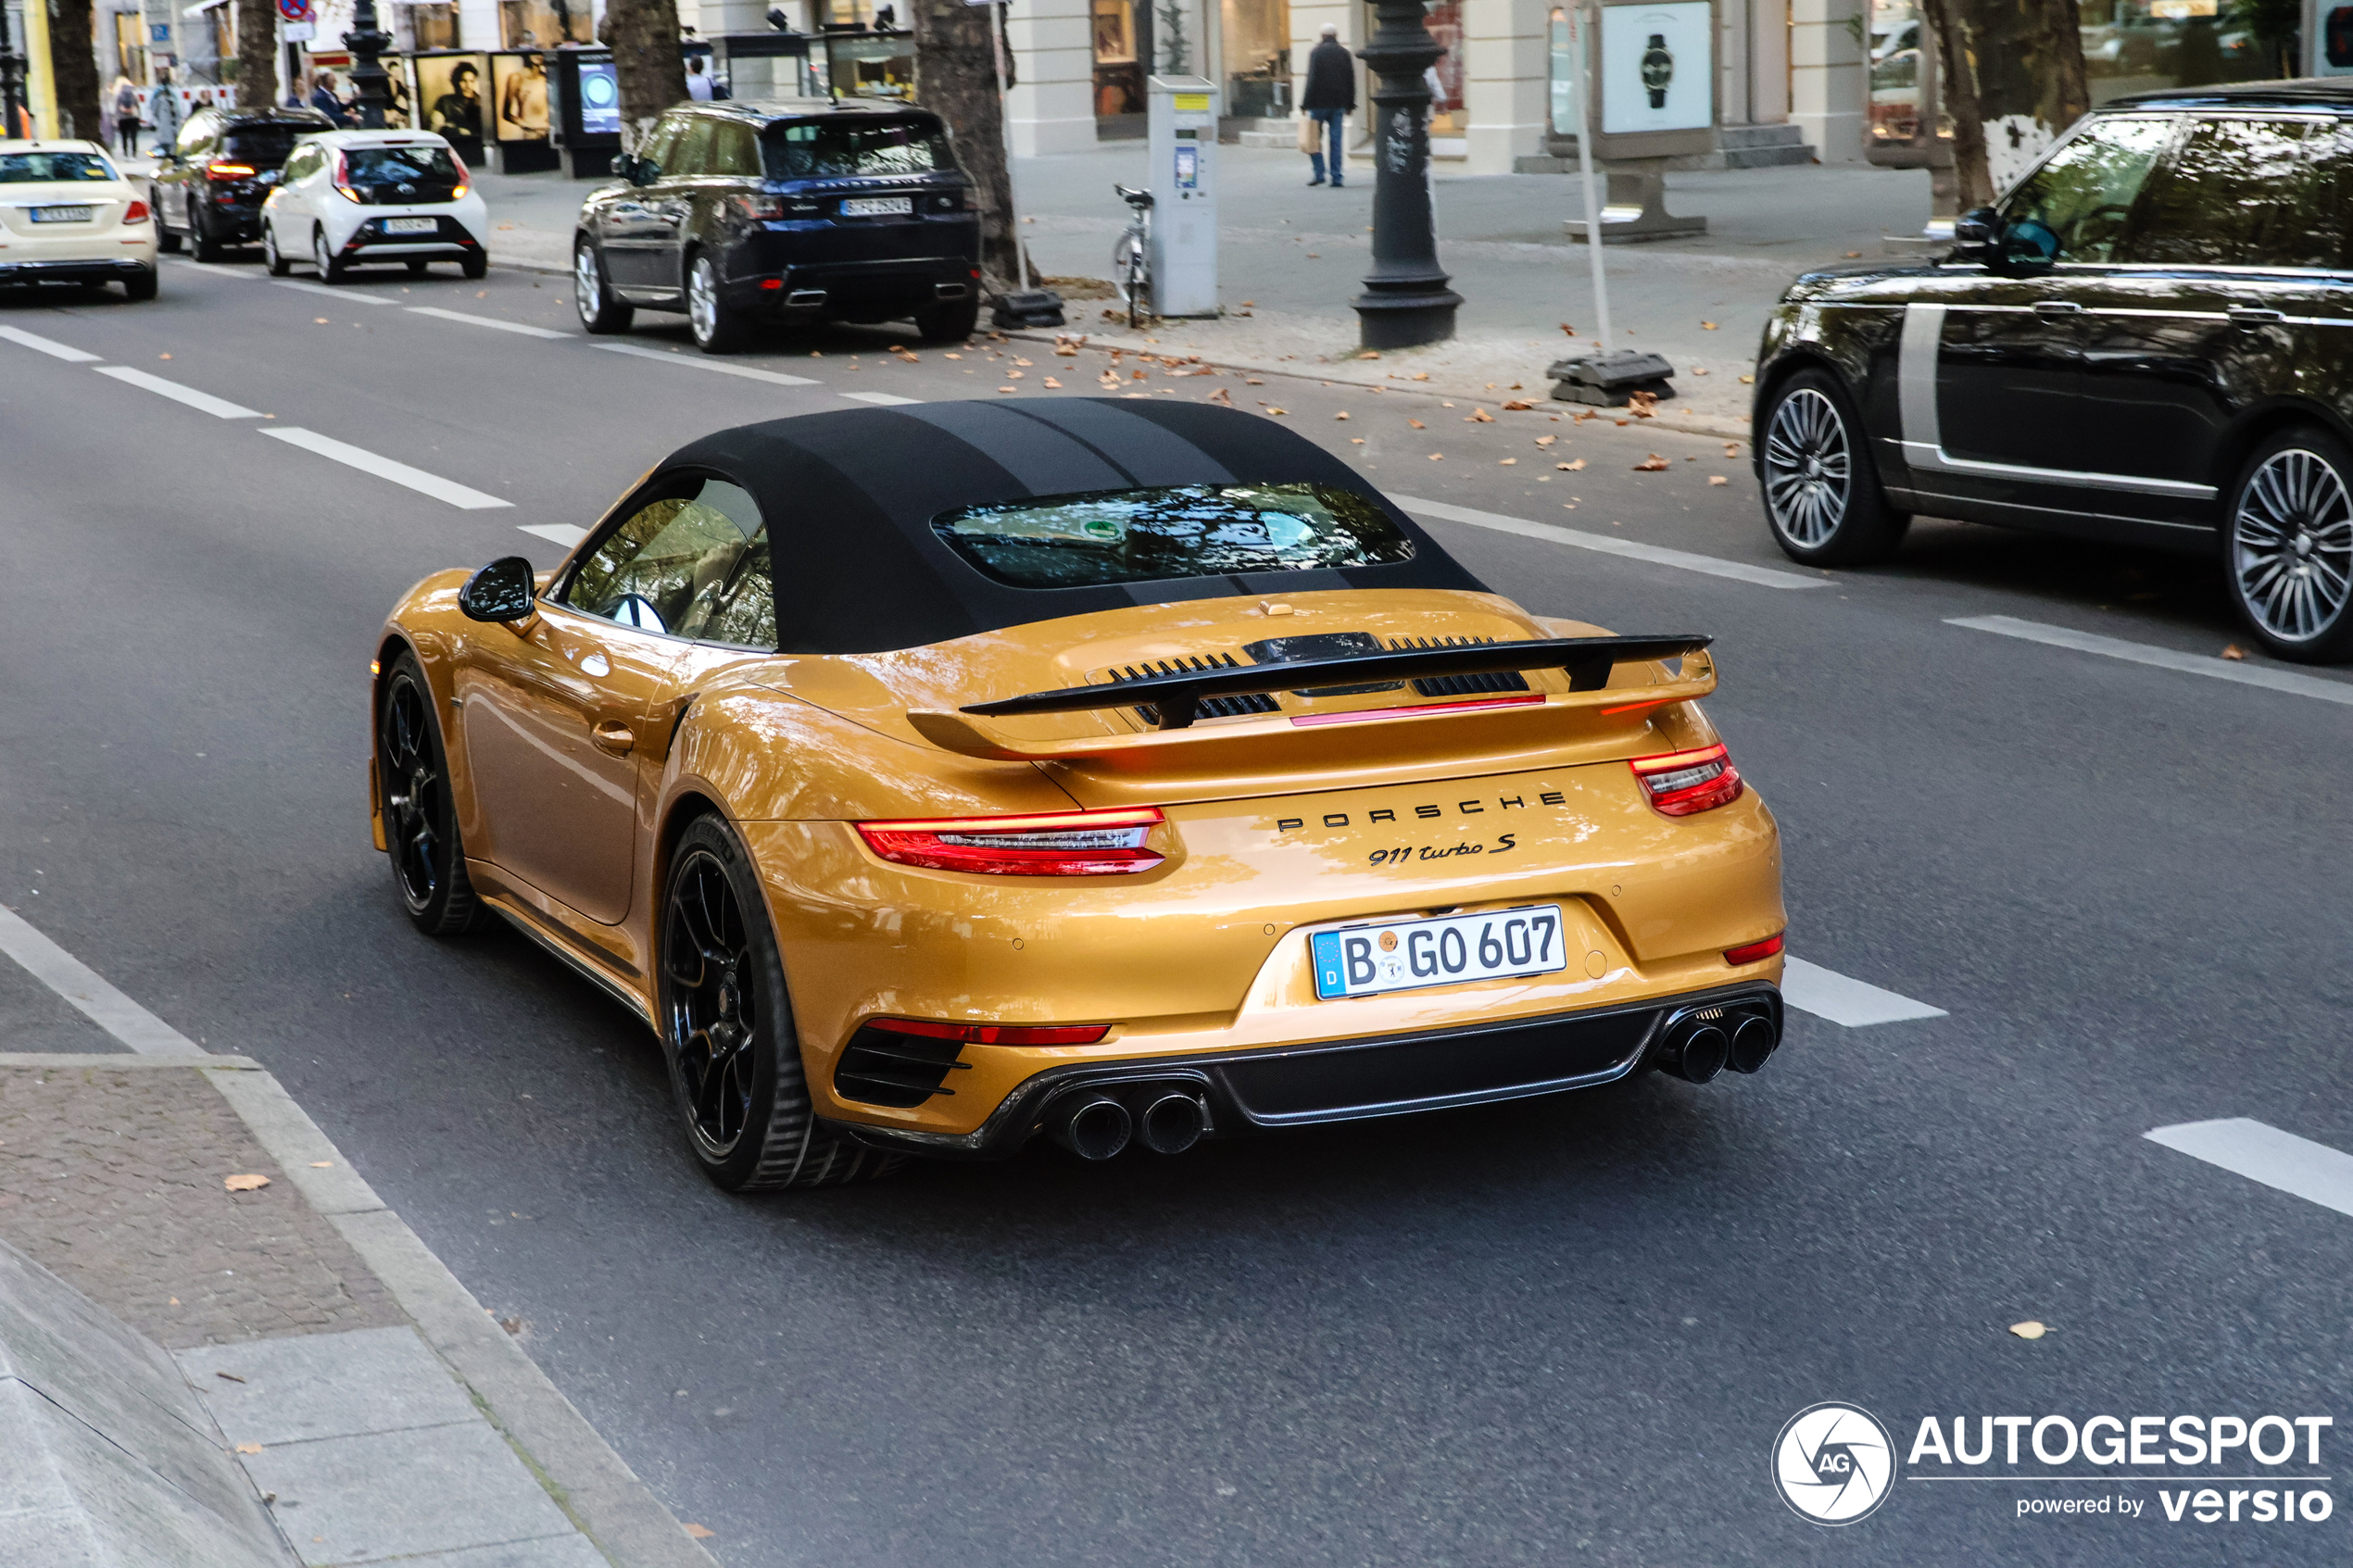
{"points": [[1829, 82], [1052, 108], [1506, 82]]}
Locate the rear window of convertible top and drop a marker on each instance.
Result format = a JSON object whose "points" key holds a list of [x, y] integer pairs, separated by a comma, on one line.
{"points": [[1183, 531]]}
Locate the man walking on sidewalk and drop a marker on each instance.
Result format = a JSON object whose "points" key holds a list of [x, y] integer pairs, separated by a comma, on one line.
{"points": [[1330, 99]]}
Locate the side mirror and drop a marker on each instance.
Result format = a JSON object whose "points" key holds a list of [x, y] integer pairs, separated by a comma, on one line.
{"points": [[624, 167], [503, 591], [644, 172], [1974, 234]]}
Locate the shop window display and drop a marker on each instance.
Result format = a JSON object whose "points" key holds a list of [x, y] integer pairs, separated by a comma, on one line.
{"points": [[1446, 116], [1258, 75], [537, 24], [1119, 72], [429, 26]]}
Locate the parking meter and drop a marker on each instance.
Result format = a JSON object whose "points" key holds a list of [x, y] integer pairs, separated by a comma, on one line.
{"points": [[1182, 120]]}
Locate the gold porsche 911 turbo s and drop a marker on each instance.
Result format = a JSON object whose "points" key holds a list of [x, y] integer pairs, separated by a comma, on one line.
{"points": [[933, 777]]}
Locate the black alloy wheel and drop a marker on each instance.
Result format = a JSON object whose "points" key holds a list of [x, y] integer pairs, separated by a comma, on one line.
{"points": [[727, 1024], [2288, 553], [601, 311], [419, 818], [1822, 499]]}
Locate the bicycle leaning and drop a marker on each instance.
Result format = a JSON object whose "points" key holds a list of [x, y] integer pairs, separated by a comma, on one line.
{"points": [[1131, 258]]}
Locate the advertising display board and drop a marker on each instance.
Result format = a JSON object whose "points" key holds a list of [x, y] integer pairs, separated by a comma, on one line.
{"points": [[452, 90], [584, 112], [1654, 78]]}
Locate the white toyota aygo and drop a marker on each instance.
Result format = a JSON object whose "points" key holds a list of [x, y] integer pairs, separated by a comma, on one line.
{"points": [[348, 198], [67, 215]]}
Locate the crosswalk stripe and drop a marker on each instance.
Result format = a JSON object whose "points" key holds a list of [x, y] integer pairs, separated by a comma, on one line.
{"points": [[203, 402], [563, 534], [2214, 668], [1657, 555], [749, 372], [1828, 993], [45, 346], [2262, 1153], [359, 458]]}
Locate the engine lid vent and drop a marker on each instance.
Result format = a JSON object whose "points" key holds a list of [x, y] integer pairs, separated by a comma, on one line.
{"points": [[1459, 685]]}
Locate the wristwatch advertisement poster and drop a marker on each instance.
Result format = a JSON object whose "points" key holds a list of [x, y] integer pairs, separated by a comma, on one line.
{"points": [[1657, 69]]}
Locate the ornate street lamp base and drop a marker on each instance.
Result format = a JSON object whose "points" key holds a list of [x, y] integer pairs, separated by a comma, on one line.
{"points": [[1403, 318]]}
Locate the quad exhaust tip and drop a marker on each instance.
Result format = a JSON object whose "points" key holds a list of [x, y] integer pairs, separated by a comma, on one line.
{"points": [[1702, 1045], [1095, 1127], [1100, 1124], [1173, 1123]]}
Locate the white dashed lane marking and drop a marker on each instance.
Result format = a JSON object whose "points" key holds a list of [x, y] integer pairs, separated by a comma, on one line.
{"points": [[359, 458], [55, 350], [563, 534], [2262, 1153], [203, 402], [354, 296], [2212, 668], [1656, 555], [881, 399], [437, 312], [1828, 993], [775, 378]]}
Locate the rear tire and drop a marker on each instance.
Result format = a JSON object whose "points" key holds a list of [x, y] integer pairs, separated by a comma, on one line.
{"points": [[1822, 497], [271, 257], [201, 244], [473, 264], [140, 286], [420, 816], [2288, 546], [417, 266], [166, 240], [718, 327], [949, 323], [602, 312], [736, 1069], [330, 266]]}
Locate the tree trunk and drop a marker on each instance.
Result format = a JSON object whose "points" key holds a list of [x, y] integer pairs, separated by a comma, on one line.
{"points": [[257, 54], [956, 79], [73, 67], [643, 35], [2014, 80]]}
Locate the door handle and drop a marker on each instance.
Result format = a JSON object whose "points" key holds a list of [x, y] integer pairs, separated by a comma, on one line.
{"points": [[2239, 318], [613, 737], [2057, 308]]}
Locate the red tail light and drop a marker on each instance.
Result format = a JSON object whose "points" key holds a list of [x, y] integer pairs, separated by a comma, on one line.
{"points": [[228, 171], [1682, 783], [1058, 844], [760, 207], [1756, 952], [136, 213], [996, 1033]]}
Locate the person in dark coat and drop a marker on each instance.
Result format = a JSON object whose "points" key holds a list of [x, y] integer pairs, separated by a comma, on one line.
{"points": [[1330, 98]]}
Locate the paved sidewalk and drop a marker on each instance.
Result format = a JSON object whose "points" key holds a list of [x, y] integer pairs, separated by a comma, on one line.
{"points": [[1291, 259]]}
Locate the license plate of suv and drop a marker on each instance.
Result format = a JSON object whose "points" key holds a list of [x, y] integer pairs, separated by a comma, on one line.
{"points": [[410, 225], [62, 213], [878, 207], [1403, 955]]}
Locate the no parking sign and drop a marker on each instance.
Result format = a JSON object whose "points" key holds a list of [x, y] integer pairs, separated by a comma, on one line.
{"points": [[295, 11]]}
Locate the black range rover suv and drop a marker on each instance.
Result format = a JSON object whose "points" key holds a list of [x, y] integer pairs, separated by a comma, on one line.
{"points": [[2148, 340], [210, 185], [803, 209]]}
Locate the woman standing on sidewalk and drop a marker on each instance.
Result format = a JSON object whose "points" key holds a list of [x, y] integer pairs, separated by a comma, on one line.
{"points": [[1329, 100]]}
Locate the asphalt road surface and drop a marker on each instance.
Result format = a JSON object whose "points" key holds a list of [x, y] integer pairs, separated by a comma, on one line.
{"points": [[1559, 1331]]}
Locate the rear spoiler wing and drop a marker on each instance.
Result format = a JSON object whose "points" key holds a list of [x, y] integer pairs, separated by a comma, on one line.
{"points": [[1177, 698], [1515, 723]]}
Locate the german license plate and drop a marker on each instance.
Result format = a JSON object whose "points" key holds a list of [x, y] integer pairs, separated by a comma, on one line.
{"points": [[62, 213], [1405, 955], [878, 207], [410, 225]]}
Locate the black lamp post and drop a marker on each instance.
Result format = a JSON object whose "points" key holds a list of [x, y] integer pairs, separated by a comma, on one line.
{"points": [[11, 76], [367, 43], [1406, 299]]}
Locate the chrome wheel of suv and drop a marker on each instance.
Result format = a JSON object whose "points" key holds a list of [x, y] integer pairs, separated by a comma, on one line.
{"points": [[601, 311], [1822, 499], [1807, 467], [717, 328], [2291, 548]]}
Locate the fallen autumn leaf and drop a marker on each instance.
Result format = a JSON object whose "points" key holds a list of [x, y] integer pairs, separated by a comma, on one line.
{"points": [[1652, 464], [2028, 1330], [244, 1184], [2234, 651]]}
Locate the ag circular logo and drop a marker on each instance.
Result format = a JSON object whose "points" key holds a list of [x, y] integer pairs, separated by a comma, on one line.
{"points": [[1834, 1463]]}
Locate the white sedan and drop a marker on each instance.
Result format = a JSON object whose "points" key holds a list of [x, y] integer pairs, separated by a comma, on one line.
{"points": [[346, 198], [67, 215]]}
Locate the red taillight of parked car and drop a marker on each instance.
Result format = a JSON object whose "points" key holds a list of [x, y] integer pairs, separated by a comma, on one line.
{"points": [[761, 207], [995, 1034], [342, 180], [228, 171], [1680, 783], [1057, 844], [136, 213]]}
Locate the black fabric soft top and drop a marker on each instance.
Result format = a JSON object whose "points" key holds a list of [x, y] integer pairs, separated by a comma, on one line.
{"points": [[849, 498]]}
